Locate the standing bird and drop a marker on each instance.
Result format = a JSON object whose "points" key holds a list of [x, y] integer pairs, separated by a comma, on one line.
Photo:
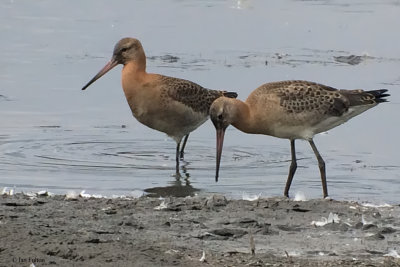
{"points": [[170, 105], [292, 110]]}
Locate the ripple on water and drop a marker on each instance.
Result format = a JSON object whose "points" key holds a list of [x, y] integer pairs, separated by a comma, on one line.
{"points": [[108, 161]]}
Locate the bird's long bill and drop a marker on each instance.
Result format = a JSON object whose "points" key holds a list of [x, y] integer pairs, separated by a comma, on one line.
{"points": [[111, 64], [220, 143]]}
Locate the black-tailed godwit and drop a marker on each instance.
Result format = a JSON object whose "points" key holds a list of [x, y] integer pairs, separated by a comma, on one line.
{"points": [[170, 105], [292, 110]]}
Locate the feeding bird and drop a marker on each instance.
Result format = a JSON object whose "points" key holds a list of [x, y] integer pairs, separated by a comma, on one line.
{"points": [[292, 110], [167, 104]]}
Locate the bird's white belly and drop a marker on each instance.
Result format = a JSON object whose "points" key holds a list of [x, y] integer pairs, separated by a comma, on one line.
{"points": [[175, 125], [307, 130]]}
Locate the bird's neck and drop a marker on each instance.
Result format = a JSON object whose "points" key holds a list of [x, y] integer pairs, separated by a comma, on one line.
{"points": [[133, 77], [134, 71], [136, 65], [243, 117]]}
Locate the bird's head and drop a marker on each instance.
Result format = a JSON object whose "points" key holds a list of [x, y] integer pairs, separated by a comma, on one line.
{"points": [[222, 114], [127, 49]]}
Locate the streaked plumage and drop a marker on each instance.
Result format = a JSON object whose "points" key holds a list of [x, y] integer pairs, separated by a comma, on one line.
{"points": [[292, 110], [170, 105]]}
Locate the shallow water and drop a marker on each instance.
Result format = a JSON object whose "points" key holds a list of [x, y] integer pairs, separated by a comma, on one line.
{"points": [[58, 138]]}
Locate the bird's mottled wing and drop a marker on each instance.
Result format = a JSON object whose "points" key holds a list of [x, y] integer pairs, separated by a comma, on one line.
{"points": [[303, 97], [189, 93]]}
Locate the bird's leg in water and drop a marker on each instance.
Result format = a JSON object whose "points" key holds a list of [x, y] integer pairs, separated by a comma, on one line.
{"points": [[321, 165], [182, 153], [177, 156], [292, 169]]}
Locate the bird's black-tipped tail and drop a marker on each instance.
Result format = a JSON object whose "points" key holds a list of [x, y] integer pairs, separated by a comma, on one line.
{"points": [[379, 95], [230, 94]]}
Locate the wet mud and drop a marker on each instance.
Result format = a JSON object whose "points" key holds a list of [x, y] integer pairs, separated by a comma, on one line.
{"points": [[206, 230]]}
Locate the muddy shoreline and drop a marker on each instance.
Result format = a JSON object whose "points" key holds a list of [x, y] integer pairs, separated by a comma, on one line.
{"points": [[78, 231]]}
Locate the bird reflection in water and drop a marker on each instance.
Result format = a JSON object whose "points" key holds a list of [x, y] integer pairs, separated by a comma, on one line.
{"points": [[179, 187]]}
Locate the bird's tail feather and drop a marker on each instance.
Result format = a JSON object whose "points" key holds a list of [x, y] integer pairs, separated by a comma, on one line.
{"points": [[379, 95], [361, 98], [230, 94]]}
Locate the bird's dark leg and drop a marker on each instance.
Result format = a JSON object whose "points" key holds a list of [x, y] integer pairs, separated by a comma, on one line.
{"points": [[321, 165], [182, 153], [177, 156], [292, 169]]}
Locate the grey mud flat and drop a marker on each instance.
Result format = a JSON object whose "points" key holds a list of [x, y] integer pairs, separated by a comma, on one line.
{"points": [[55, 231]]}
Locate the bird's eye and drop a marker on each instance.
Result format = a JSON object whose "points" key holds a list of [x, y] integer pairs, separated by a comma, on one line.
{"points": [[220, 117], [124, 49]]}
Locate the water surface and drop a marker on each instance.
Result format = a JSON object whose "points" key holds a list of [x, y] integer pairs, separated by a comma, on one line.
{"points": [[56, 137]]}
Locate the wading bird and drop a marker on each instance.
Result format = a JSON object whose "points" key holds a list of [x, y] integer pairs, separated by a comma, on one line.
{"points": [[292, 110], [170, 105]]}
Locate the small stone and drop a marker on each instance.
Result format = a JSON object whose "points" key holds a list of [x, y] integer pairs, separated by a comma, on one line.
{"points": [[387, 230], [377, 236], [369, 226]]}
